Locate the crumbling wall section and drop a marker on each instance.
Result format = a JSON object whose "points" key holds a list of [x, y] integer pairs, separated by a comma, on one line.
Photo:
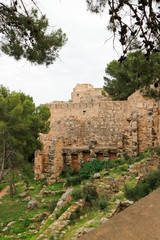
{"points": [[81, 131], [148, 120], [55, 158]]}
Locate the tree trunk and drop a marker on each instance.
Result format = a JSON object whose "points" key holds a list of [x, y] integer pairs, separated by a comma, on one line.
{"points": [[10, 182], [4, 155], [13, 183], [3, 165], [2, 170]]}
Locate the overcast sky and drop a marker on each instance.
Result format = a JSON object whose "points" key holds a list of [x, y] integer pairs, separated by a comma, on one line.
{"points": [[82, 60]]}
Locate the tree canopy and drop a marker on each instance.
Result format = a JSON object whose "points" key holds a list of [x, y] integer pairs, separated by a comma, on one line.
{"points": [[20, 125], [136, 24], [135, 72], [24, 33]]}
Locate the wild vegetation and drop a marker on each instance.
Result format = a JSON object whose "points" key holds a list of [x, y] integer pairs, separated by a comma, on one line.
{"points": [[25, 33], [134, 73], [20, 125], [100, 202], [150, 183]]}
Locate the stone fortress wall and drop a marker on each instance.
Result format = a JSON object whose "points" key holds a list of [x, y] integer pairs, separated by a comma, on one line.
{"points": [[93, 125]]}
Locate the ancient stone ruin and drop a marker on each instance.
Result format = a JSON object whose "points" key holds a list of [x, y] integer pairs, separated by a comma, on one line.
{"points": [[91, 125]]}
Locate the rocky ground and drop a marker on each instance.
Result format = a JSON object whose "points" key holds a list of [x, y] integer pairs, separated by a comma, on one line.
{"points": [[31, 214]]}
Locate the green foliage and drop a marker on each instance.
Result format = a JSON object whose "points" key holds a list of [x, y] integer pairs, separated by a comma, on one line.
{"points": [[72, 181], [55, 186], [26, 34], [27, 172], [52, 238], [75, 215], [89, 168], [102, 202], [86, 170], [124, 167], [67, 171], [90, 193], [77, 194], [157, 150], [62, 210], [133, 73], [52, 205], [120, 164], [136, 193], [42, 182], [26, 222], [150, 183], [131, 159], [20, 125]]}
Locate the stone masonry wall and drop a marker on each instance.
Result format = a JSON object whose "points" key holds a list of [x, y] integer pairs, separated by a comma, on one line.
{"points": [[84, 130]]}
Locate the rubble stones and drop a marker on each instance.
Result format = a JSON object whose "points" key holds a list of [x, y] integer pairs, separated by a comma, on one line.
{"points": [[24, 194], [4, 229], [11, 223], [50, 192], [26, 199], [103, 220], [97, 176], [32, 204]]}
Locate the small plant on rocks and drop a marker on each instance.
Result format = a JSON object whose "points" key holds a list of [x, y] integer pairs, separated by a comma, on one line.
{"points": [[90, 193], [52, 205], [77, 194]]}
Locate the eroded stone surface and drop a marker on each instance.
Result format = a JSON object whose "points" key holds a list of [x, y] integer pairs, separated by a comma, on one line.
{"points": [[32, 204], [93, 126]]}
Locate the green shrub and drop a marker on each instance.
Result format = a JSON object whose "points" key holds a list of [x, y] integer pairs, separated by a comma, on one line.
{"points": [[77, 194], [103, 203], [124, 167], [67, 171], [75, 214], [120, 161], [97, 165], [157, 150], [72, 181], [52, 205], [86, 170], [26, 222], [150, 183], [89, 168], [43, 182], [90, 193], [153, 180], [108, 164], [62, 210], [136, 193], [52, 238]]}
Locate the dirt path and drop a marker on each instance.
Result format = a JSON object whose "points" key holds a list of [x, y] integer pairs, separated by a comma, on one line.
{"points": [[3, 192]]}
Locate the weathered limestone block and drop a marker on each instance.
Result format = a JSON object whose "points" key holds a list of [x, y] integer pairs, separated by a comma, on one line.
{"points": [[32, 204], [24, 194], [97, 176]]}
